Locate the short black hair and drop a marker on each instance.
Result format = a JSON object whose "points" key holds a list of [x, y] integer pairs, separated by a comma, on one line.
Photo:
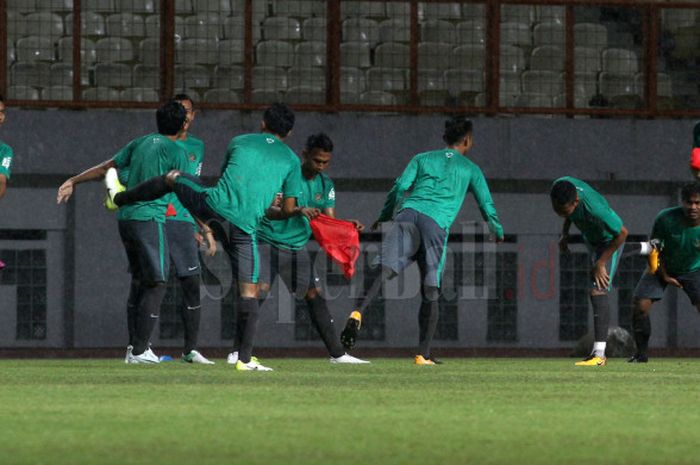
{"points": [[181, 97], [563, 193], [689, 190], [279, 119], [170, 118], [319, 141], [456, 129]]}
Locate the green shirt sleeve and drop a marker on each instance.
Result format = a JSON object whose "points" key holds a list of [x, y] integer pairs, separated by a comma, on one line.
{"points": [[329, 194], [480, 189], [123, 157], [401, 185], [607, 218], [6, 155], [292, 183]]}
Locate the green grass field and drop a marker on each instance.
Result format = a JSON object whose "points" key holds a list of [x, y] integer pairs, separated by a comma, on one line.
{"points": [[467, 411]]}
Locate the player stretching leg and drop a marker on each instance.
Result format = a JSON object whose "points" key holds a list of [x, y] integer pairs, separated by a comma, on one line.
{"points": [[5, 161], [438, 182]]}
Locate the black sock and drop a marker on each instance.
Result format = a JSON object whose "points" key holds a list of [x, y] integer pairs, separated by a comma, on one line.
{"points": [[152, 189], [641, 324], [149, 310], [132, 305], [323, 322], [375, 288], [427, 320], [191, 311], [246, 327], [601, 317]]}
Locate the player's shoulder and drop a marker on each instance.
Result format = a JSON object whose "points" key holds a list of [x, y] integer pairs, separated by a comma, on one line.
{"points": [[194, 140], [326, 180], [5, 149], [669, 214]]}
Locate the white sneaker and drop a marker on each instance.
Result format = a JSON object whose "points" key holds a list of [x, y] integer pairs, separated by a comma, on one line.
{"points": [[195, 357], [348, 359], [151, 354], [253, 365], [232, 358], [144, 358], [113, 188], [129, 348]]}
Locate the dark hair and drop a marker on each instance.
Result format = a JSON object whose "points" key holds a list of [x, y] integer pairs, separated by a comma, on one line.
{"points": [[563, 193], [2, 98], [456, 128], [689, 190], [182, 97], [170, 118], [319, 141], [279, 119]]}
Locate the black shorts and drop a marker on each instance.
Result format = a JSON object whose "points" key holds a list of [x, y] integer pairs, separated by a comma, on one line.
{"points": [[184, 250], [294, 267], [146, 246], [416, 237], [651, 287]]}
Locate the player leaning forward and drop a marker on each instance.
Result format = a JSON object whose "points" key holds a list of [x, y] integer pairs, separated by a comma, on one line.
{"points": [[604, 235], [437, 183]]}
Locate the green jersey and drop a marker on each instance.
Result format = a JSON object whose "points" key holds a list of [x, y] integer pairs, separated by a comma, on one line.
{"points": [[438, 182], [144, 158], [680, 240], [257, 166], [194, 148], [293, 233], [5, 159], [598, 223]]}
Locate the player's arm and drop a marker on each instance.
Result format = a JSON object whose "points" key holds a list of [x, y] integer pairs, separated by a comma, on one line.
{"points": [[3, 185], [288, 208], [600, 273], [95, 173], [395, 195], [205, 235], [480, 189]]}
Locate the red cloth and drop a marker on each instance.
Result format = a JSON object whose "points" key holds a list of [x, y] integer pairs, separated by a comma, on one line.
{"points": [[340, 240], [695, 158], [170, 211]]}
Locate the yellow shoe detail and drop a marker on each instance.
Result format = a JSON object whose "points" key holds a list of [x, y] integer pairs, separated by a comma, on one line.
{"points": [[653, 261], [592, 361], [420, 360], [356, 315]]}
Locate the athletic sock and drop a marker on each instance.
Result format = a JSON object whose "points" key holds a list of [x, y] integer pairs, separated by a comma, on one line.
{"points": [[149, 310], [601, 319], [641, 324], [248, 315], [152, 189], [375, 288], [599, 348], [427, 320], [191, 311], [323, 322], [132, 305]]}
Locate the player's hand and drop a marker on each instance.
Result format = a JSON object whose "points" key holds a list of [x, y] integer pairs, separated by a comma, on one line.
{"points": [[358, 226], [564, 243], [672, 282], [64, 192], [278, 200], [211, 243], [601, 276], [309, 213], [499, 239]]}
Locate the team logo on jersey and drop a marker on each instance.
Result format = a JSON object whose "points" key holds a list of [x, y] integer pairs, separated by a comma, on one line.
{"points": [[318, 196], [6, 162], [331, 194], [193, 157], [270, 140], [449, 154]]}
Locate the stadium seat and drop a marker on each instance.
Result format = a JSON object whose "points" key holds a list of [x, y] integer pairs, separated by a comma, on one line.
{"points": [[687, 44], [114, 50], [664, 86], [299, 8], [62, 75], [260, 10], [512, 59], [473, 12], [197, 51], [99, 6], [350, 98], [547, 58], [516, 34], [139, 94], [138, 6], [234, 28], [673, 19], [352, 80], [438, 30], [549, 34], [91, 24], [88, 52], [395, 30], [518, 14], [471, 32], [229, 77], [113, 75], [431, 79], [45, 24], [361, 30], [270, 78], [231, 51], [34, 48], [149, 51], [612, 85], [203, 26], [550, 14], [542, 82], [314, 78], [460, 81], [308, 54], [509, 89], [377, 97], [586, 60], [31, 74], [222, 7], [448, 11], [533, 100], [274, 53], [183, 7], [314, 29], [126, 25], [587, 14], [387, 79], [398, 10], [281, 28], [265, 96], [101, 94], [187, 76], [355, 54], [363, 9], [434, 55], [16, 27], [620, 61], [585, 85], [152, 25], [221, 96], [147, 76], [21, 6], [22, 93], [305, 95], [591, 35], [685, 83], [469, 57], [392, 55], [57, 93], [434, 98]]}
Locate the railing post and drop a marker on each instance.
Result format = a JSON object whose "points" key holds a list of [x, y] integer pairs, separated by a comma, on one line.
{"points": [[167, 49], [413, 63], [569, 63], [651, 42], [493, 55], [77, 46], [333, 53]]}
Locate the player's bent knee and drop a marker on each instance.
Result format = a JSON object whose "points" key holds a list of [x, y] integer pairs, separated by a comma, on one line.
{"points": [[312, 293], [430, 293]]}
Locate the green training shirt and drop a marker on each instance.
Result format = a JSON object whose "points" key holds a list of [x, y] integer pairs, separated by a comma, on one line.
{"points": [[5, 159], [438, 182], [144, 158], [194, 149], [256, 167], [598, 223], [681, 241], [293, 233]]}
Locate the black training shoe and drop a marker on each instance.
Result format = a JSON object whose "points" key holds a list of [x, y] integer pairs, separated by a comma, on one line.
{"points": [[352, 327], [638, 358]]}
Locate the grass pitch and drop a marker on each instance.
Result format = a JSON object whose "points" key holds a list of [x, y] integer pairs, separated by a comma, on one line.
{"points": [[467, 411]]}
